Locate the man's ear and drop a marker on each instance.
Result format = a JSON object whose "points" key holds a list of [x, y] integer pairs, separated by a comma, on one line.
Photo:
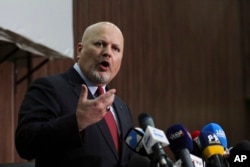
{"points": [[78, 50]]}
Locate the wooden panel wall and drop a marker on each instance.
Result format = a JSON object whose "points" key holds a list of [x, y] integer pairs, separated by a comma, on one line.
{"points": [[183, 63], [245, 16], [183, 60], [11, 98], [6, 113], [245, 31]]}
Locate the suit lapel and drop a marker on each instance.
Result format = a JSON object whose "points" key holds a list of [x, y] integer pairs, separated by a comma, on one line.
{"points": [[78, 88], [104, 130], [76, 81], [119, 111]]}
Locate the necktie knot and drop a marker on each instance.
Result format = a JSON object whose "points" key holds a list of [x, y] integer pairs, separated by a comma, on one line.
{"points": [[100, 90]]}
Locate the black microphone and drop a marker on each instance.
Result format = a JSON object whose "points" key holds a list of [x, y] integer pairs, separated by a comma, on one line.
{"points": [[239, 154], [181, 144], [145, 120], [154, 140]]}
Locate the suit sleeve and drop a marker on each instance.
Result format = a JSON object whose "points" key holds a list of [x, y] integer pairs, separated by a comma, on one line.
{"points": [[42, 127]]}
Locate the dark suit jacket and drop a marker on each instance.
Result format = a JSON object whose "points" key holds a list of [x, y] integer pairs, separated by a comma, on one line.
{"points": [[47, 129]]}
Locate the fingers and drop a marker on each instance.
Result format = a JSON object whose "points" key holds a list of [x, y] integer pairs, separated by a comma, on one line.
{"points": [[90, 111], [104, 101], [107, 98]]}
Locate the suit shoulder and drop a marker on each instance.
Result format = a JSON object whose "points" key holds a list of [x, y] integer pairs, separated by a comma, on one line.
{"points": [[58, 78], [52, 79]]}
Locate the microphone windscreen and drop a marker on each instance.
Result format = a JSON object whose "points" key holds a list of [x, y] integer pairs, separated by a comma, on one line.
{"points": [[240, 154], [217, 129], [195, 134], [196, 145], [210, 144], [145, 120], [243, 145], [179, 138]]}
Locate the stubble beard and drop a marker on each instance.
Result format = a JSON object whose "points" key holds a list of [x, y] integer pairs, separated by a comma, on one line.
{"points": [[97, 77]]}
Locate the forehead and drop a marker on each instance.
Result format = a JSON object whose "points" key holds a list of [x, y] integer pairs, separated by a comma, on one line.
{"points": [[106, 32]]}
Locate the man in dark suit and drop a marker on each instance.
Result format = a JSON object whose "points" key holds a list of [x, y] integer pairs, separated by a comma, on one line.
{"points": [[61, 120]]}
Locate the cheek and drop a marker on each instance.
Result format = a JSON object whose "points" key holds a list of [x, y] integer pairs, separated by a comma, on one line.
{"points": [[88, 55], [117, 65], [85, 62]]}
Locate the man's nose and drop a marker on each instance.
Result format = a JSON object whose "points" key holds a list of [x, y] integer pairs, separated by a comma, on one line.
{"points": [[107, 52]]}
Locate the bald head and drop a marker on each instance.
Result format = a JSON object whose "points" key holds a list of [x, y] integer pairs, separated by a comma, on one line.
{"points": [[100, 52], [95, 28]]}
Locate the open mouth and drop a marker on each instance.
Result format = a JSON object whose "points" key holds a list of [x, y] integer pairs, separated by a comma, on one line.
{"points": [[104, 65]]}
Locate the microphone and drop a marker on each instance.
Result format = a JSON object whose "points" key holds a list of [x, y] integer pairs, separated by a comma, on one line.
{"points": [[220, 133], [212, 150], [197, 161], [133, 140], [217, 129], [181, 144], [145, 120], [240, 154], [195, 134], [153, 139], [196, 147]]}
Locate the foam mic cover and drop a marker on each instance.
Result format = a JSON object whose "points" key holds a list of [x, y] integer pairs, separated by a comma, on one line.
{"points": [[179, 138], [133, 140], [196, 146], [145, 120], [243, 145], [181, 143], [210, 144], [212, 150], [217, 129], [240, 154], [195, 134]]}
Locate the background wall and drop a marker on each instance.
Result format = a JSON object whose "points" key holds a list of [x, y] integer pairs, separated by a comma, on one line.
{"points": [[185, 61]]}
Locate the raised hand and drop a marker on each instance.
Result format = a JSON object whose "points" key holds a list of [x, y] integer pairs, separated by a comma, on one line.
{"points": [[90, 111]]}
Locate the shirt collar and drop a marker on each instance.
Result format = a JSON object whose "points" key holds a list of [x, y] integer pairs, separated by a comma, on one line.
{"points": [[92, 87]]}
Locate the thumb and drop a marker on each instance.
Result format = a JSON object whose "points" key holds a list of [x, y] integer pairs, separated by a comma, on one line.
{"points": [[84, 92]]}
